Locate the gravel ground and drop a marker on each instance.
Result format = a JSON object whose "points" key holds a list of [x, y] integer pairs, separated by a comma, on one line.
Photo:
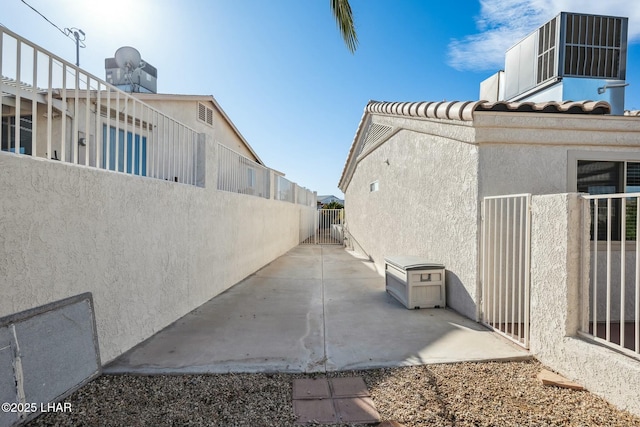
{"points": [[464, 394]]}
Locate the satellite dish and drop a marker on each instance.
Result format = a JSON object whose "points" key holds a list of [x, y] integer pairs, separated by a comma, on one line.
{"points": [[128, 58]]}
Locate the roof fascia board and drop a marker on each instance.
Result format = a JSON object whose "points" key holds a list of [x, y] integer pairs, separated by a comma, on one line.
{"points": [[356, 146], [552, 129], [556, 129]]}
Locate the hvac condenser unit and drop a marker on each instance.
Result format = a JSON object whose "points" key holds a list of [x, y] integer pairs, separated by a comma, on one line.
{"points": [[415, 282], [573, 57]]}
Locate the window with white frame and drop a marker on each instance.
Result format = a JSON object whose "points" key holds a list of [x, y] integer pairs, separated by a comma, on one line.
{"points": [[373, 186], [610, 177], [251, 177]]}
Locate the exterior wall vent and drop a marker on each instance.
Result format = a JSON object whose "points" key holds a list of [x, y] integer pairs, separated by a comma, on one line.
{"points": [[375, 133], [205, 114]]}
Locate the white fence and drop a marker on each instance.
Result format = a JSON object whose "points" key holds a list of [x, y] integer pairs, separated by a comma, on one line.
{"points": [[54, 110], [506, 233], [305, 196], [326, 228], [239, 174], [614, 288], [285, 190]]}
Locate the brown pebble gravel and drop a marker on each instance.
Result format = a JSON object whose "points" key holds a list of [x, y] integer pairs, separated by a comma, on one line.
{"points": [[461, 395]]}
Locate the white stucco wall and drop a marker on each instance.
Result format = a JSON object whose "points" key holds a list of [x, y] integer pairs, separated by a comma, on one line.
{"points": [[428, 200], [559, 230], [149, 250], [426, 205], [532, 153]]}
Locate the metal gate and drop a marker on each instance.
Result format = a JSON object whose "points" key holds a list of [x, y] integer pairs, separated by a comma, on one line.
{"points": [[325, 229], [506, 231]]}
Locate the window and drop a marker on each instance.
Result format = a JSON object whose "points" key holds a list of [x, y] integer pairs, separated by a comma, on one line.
{"points": [[373, 186], [251, 177], [136, 151], [9, 135], [608, 177]]}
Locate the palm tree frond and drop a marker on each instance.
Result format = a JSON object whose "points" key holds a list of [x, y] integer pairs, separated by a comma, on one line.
{"points": [[344, 19]]}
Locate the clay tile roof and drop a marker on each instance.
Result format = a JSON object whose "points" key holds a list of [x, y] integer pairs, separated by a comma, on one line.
{"points": [[457, 110], [464, 111]]}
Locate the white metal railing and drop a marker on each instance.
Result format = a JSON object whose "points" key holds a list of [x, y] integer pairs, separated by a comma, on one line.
{"points": [[325, 228], [239, 174], [305, 196], [285, 189], [614, 286], [506, 230], [54, 110]]}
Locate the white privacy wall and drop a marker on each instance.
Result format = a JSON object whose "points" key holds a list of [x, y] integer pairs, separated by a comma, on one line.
{"points": [[426, 205], [149, 250], [559, 297]]}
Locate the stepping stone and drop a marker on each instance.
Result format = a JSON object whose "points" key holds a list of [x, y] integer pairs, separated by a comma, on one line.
{"points": [[348, 387], [312, 411], [549, 378], [390, 424], [338, 400], [356, 410], [309, 388]]}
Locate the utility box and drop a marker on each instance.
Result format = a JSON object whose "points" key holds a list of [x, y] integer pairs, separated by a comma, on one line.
{"points": [[415, 282]]}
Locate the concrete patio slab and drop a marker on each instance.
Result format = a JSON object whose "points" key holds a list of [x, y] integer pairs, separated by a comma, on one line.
{"points": [[315, 309]]}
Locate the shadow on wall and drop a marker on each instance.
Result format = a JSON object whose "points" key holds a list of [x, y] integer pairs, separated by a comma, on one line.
{"points": [[458, 297], [352, 244]]}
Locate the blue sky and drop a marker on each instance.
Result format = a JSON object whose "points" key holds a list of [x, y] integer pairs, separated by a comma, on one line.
{"points": [[281, 71]]}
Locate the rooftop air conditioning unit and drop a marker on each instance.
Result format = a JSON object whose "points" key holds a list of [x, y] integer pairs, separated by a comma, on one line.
{"points": [[573, 57]]}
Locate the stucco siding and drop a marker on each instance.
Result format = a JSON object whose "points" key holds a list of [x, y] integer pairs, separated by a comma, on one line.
{"points": [[559, 231], [426, 205], [537, 169], [515, 169], [149, 250]]}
